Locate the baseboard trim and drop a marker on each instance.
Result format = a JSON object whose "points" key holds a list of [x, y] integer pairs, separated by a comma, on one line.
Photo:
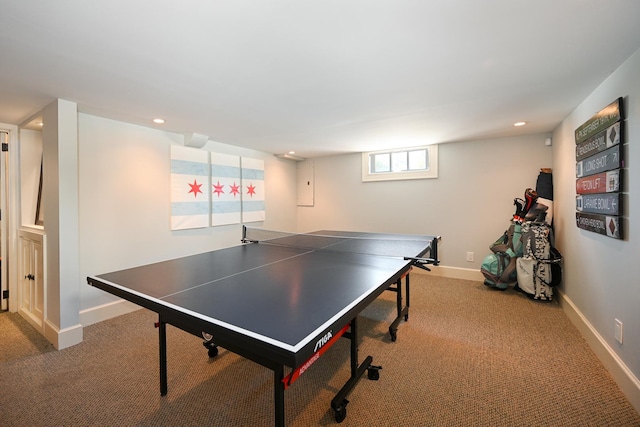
{"points": [[622, 375], [453, 272], [62, 338], [106, 311]]}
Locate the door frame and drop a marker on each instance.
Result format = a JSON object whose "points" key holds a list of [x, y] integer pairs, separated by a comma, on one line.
{"points": [[4, 139], [10, 202]]}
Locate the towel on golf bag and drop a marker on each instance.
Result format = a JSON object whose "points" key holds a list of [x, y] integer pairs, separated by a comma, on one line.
{"points": [[539, 268]]}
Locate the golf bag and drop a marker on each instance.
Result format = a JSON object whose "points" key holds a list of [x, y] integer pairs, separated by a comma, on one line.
{"points": [[539, 268], [524, 257], [499, 268]]}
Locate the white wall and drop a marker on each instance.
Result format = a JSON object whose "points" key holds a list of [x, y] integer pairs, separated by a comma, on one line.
{"points": [[60, 204], [470, 204], [602, 274], [124, 201]]}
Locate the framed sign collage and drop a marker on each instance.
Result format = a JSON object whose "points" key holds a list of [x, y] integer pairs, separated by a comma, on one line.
{"points": [[599, 172]]}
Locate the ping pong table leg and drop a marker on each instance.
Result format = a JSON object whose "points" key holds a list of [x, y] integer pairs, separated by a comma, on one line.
{"points": [[406, 286], [403, 312], [339, 402], [162, 335], [278, 389]]}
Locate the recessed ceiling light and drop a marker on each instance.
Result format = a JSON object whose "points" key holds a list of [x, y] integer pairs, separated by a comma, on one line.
{"points": [[158, 121], [292, 152], [290, 156], [519, 123]]}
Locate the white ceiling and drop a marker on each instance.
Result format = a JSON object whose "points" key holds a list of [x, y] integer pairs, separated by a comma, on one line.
{"points": [[318, 77]]}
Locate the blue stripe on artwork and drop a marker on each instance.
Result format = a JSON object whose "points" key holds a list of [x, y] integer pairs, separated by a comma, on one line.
{"points": [[226, 207], [184, 167], [189, 208], [253, 206], [222, 171], [253, 174]]}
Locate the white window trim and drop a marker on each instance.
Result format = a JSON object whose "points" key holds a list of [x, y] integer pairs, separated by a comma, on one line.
{"points": [[392, 176]]}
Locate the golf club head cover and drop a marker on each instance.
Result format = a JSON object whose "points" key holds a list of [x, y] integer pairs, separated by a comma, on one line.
{"points": [[530, 197], [519, 214]]}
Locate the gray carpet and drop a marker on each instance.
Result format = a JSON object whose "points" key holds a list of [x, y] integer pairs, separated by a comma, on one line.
{"points": [[468, 356]]}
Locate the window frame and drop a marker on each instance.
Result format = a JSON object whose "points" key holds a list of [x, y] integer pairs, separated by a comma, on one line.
{"points": [[430, 173]]}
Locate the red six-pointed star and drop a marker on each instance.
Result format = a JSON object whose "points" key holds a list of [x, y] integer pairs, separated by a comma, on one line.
{"points": [[251, 190], [195, 188], [235, 189], [218, 188]]}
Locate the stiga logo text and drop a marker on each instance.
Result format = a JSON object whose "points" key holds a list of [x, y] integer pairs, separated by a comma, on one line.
{"points": [[322, 341]]}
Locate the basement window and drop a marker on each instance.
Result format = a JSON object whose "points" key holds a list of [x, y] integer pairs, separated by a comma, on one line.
{"points": [[404, 163]]}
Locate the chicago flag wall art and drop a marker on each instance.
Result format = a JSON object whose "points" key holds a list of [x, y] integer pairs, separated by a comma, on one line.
{"points": [[232, 189]]}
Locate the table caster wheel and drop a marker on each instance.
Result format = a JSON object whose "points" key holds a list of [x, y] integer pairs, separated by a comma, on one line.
{"points": [[394, 334], [340, 412], [373, 373], [212, 349]]}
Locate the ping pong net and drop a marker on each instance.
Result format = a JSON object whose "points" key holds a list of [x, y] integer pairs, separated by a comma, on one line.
{"points": [[408, 247]]}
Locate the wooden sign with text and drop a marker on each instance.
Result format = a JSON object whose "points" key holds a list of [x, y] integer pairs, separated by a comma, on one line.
{"points": [[601, 162], [602, 203], [601, 224], [605, 182], [606, 117], [599, 142]]}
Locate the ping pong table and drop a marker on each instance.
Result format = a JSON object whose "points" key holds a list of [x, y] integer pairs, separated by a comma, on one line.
{"points": [[278, 299]]}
